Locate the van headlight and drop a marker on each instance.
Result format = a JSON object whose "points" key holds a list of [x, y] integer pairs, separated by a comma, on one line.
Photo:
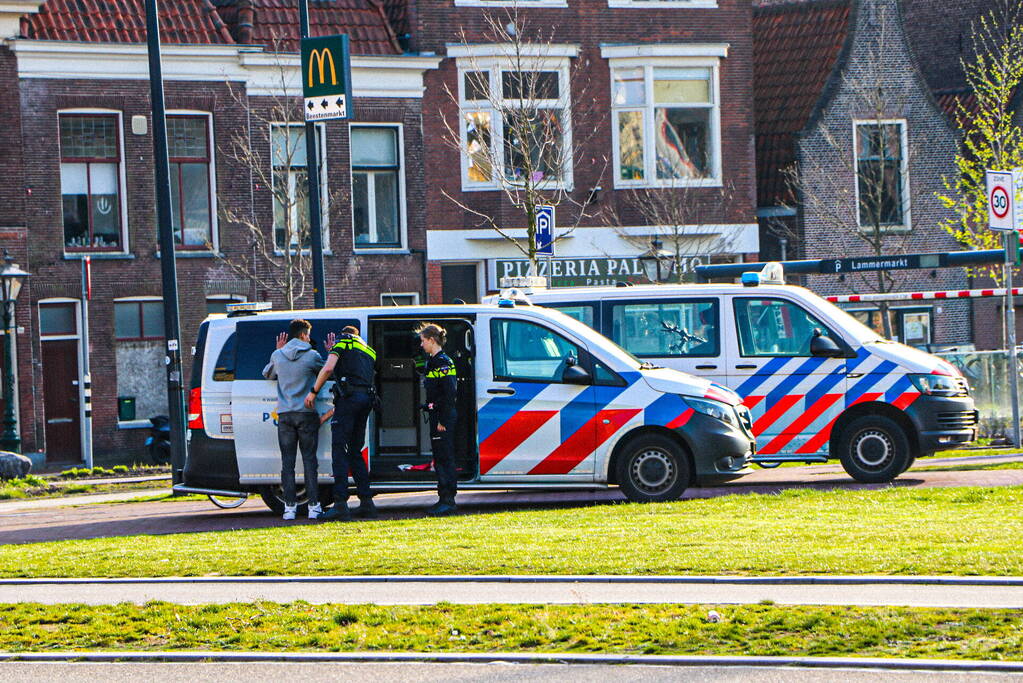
{"points": [[937, 385], [715, 409]]}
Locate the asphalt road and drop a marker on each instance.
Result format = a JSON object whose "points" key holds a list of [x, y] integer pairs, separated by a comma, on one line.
{"points": [[50, 520], [418, 672]]}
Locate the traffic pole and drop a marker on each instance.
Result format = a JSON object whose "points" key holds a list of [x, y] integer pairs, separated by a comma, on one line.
{"points": [[86, 372], [168, 268], [313, 176], [1012, 243]]}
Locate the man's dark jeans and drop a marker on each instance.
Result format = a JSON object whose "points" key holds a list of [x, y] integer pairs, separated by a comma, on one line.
{"points": [[348, 435], [298, 430]]}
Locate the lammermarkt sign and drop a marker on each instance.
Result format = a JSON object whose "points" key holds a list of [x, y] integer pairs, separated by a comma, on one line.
{"points": [[577, 272], [326, 78]]}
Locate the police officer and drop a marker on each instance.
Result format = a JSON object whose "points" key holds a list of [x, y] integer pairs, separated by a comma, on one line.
{"points": [[352, 363], [441, 388]]}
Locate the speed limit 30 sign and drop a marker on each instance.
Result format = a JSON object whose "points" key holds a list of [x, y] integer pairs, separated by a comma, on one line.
{"points": [[1001, 200]]}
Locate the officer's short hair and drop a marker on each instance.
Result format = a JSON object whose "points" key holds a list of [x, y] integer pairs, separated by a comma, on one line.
{"points": [[433, 331], [298, 327], [350, 329]]}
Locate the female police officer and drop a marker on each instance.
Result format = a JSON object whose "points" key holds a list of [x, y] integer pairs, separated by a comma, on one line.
{"points": [[441, 390]]}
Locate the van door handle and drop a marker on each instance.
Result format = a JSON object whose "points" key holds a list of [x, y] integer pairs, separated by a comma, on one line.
{"points": [[506, 392], [746, 367], [706, 367]]}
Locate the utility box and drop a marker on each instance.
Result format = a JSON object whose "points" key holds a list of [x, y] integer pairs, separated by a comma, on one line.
{"points": [[125, 408]]}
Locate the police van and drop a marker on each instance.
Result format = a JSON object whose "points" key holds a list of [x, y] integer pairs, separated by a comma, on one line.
{"points": [[819, 383], [543, 402]]}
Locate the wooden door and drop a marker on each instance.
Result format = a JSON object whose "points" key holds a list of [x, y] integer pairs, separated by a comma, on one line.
{"points": [[61, 396]]}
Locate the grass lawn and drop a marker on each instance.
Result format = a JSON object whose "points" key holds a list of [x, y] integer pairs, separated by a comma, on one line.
{"points": [[936, 466], [954, 531], [622, 629], [32, 491]]}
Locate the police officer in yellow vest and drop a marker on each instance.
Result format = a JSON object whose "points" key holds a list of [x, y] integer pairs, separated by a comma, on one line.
{"points": [[441, 392], [353, 364]]}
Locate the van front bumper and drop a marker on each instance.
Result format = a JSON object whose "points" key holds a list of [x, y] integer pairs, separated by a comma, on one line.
{"points": [[720, 451], [943, 422]]}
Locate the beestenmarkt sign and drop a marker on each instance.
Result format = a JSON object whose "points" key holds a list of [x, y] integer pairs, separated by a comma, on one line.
{"points": [[326, 78]]}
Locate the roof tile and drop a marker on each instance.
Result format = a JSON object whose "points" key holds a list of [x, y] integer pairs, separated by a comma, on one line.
{"points": [[186, 22]]}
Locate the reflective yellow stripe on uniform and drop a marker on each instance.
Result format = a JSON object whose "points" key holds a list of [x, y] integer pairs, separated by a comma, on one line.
{"points": [[356, 344], [446, 371]]}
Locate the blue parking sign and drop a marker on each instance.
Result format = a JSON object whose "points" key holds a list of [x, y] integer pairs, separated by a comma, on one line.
{"points": [[545, 230]]}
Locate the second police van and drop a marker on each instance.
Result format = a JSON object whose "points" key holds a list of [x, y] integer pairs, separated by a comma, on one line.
{"points": [[543, 402], [819, 383]]}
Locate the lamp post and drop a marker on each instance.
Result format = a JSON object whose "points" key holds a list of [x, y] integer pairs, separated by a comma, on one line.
{"points": [[651, 260], [11, 279]]}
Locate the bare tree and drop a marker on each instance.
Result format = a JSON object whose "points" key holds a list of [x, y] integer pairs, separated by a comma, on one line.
{"points": [[676, 209], [514, 128], [272, 149], [871, 150]]}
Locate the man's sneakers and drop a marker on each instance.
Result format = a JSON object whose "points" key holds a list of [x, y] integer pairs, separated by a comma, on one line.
{"points": [[338, 513], [442, 508], [366, 509], [315, 511], [289, 512]]}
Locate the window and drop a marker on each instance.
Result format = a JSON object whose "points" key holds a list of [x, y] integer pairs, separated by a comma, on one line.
{"points": [[291, 185], [880, 174], [772, 327], [911, 326], [394, 299], [218, 303], [188, 146], [665, 124], [376, 186], [515, 123], [57, 320], [138, 320], [581, 312], [223, 369], [702, 4], [90, 181], [526, 351], [667, 329]]}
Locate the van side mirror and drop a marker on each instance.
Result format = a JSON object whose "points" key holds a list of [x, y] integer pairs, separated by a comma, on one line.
{"points": [[575, 374], [823, 347]]}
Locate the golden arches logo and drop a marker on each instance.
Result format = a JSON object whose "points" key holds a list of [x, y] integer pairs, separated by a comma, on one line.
{"points": [[321, 57]]}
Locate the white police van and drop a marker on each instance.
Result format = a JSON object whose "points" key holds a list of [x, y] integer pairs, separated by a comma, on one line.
{"points": [[543, 402], [819, 383]]}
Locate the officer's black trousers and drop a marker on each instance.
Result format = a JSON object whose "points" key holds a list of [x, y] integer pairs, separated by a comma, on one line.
{"points": [[348, 434], [444, 462]]}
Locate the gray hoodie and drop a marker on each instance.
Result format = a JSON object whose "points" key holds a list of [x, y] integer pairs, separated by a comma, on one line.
{"points": [[294, 366]]}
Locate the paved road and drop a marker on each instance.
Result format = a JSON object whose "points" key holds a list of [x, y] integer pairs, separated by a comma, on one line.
{"points": [[473, 590], [467, 673], [27, 522]]}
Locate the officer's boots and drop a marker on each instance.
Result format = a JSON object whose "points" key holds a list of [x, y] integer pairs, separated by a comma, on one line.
{"points": [[338, 513], [366, 510]]}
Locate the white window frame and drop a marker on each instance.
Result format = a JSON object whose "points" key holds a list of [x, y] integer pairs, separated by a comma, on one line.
{"points": [[654, 4], [907, 217], [648, 62], [494, 65], [324, 196], [521, 4], [385, 295], [122, 179], [402, 205], [212, 173]]}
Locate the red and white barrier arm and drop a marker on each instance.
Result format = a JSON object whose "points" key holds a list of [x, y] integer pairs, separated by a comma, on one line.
{"points": [[922, 296]]}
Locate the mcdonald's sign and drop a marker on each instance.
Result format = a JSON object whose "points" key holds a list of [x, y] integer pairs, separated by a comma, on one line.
{"points": [[326, 78]]}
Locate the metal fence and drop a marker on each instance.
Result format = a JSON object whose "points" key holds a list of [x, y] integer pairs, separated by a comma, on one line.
{"points": [[989, 383]]}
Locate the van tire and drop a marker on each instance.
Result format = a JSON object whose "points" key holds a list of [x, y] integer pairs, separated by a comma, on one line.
{"points": [[273, 496], [653, 468], [874, 449]]}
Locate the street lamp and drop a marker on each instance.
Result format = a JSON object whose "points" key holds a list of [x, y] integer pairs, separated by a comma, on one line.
{"points": [[11, 279], [651, 260]]}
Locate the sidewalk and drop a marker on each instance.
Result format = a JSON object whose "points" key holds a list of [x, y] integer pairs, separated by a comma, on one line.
{"points": [[952, 592]]}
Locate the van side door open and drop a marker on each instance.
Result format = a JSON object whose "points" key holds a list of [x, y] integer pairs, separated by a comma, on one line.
{"points": [[793, 395], [536, 404]]}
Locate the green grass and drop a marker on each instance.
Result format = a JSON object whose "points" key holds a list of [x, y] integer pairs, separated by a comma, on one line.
{"points": [[891, 531], [16, 489], [622, 629], [936, 466]]}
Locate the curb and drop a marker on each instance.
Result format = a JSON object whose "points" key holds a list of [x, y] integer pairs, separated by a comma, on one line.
{"points": [[996, 581], [947, 665]]}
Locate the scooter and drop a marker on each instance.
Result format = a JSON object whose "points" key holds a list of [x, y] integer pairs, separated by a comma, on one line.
{"points": [[158, 443]]}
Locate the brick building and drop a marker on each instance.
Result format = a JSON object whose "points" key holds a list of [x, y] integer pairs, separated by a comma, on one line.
{"points": [[653, 96], [77, 164]]}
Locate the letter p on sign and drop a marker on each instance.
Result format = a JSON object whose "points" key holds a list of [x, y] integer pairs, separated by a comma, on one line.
{"points": [[1000, 200]]}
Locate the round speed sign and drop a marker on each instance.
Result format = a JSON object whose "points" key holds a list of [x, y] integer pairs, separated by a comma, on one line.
{"points": [[999, 201]]}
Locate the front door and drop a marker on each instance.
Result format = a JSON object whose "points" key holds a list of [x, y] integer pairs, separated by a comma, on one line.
{"points": [[531, 423], [793, 396], [61, 398]]}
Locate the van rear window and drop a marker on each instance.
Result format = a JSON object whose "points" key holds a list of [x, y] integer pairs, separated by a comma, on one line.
{"points": [[198, 351], [257, 341]]}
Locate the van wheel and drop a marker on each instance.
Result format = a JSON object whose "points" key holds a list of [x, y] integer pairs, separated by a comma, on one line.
{"points": [[874, 449], [273, 496], [653, 468]]}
